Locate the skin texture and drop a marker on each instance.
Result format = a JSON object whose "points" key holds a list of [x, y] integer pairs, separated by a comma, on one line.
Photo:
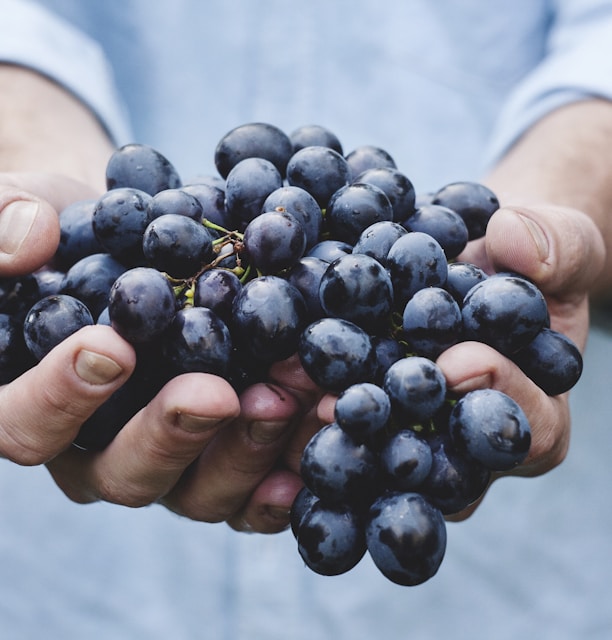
{"points": [[199, 449]]}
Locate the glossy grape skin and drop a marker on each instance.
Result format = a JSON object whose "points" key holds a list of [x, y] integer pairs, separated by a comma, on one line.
{"points": [[406, 460], [432, 322], [331, 539], [247, 186], [406, 537], [387, 350], [77, 238], [492, 428], [416, 387], [377, 239], [396, 186], [212, 202], [141, 304], [329, 250], [551, 360], [274, 241], [302, 206], [338, 469], [90, 280], [415, 261], [311, 135], [177, 202], [120, 218], [49, 281], [505, 312], [15, 357], [268, 316], [216, 290], [336, 353], [355, 207], [320, 171], [455, 480], [473, 201], [177, 245], [443, 224], [51, 320], [357, 288], [250, 140], [306, 276], [142, 167], [366, 157], [461, 277], [363, 411], [302, 503], [197, 340]]}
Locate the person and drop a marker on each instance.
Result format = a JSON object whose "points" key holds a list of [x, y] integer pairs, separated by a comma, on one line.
{"points": [[533, 118]]}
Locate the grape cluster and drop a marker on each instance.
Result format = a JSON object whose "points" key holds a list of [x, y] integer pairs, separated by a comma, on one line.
{"points": [[296, 246]]}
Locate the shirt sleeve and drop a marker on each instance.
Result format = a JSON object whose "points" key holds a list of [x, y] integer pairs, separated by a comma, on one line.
{"points": [[36, 38], [577, 66]]}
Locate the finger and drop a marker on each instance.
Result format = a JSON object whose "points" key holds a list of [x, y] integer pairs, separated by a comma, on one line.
{"points": [[269, 508], [42, 410], [231, 467], [148, 456], [290, 375], [472, 365]]}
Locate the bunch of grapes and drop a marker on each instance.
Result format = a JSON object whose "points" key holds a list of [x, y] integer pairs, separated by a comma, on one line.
{"points": [[295, 246]]}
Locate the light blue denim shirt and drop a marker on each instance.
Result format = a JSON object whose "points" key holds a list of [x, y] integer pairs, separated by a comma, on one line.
{"points": [[445, 87]]}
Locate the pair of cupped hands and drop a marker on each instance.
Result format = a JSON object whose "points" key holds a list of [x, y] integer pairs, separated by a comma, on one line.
{"points": [[209, 455]]}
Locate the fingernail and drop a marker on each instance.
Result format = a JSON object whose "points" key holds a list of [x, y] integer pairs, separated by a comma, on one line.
{"points": [[263, 432], [16, 220], [197, 424], [95, 368], [479, 382], [539, 237]]}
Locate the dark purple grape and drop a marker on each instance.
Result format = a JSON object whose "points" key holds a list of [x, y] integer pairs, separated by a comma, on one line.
{"points": [[396, 186], [431, 322], [473, 201], [253, 140], [306, 276], [51, 320], [336, 353], [331, 539], [212, 201], [274, 241], [90, 280], [492, 428], [366, 157], [141, 304], [355, 207], [406, 537], [197, 340], [387, 350], [268, 316], [329, 250], [376, 240], [248, 185], [216, 289], [177, 245], [406, 460], [177, 202], [455, 480], [302, 503], [551, 360], [142, 167], [443, 224], [119, 220], [462, 276], [357, 288], [338, 469], [77, 238], [205, 179], [302, 206], [49, 281], [319, 170], [416, 387], [363, 411], [504, 311], [415, 261], [312, 135], [15, 357]]}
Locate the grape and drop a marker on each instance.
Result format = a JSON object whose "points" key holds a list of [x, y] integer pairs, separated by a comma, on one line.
{"points": [[312, 135], [302, 503], [329, 250], [77, 238], [443, 224], [139, 166], [377, 239], [406, 537], [18, 294], [177, 202], [51, 320], [366, 157], [216, 290], [396, 186], [306, 276], [15, 357], [363, 411], [406, 459], [461, 277], [212, 203], [141, 304]]}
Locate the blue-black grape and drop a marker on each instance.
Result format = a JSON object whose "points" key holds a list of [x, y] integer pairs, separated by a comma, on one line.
{"points": [[176, 201], [396, 186], [15, 357], [77, 238], [328, 250], [216, 290], [363, 410], [212, 202], [377, 239], [443, 224], [311, 135], [366, 157], [461, 277], [306, 276], [406, 460]]}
